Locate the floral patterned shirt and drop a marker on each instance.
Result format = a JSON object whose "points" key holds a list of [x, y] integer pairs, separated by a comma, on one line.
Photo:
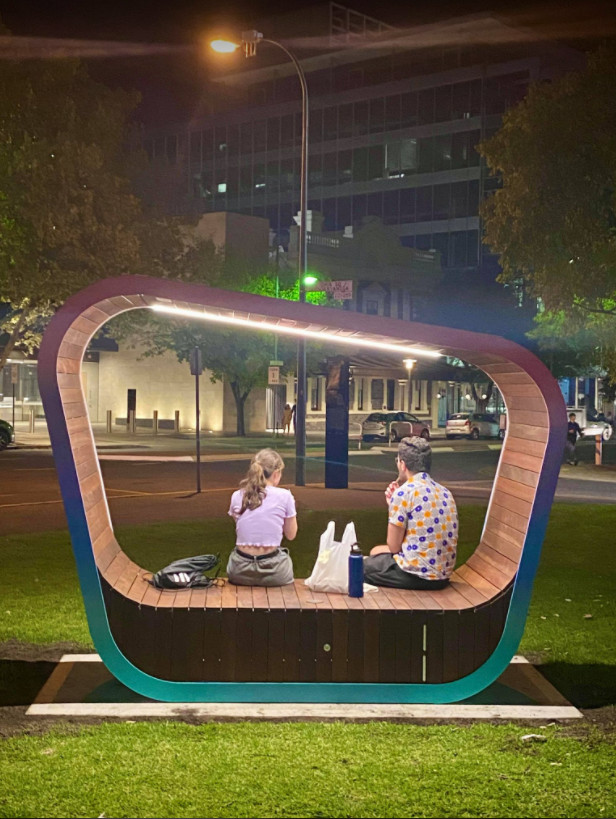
{"points": [[428, 512]]}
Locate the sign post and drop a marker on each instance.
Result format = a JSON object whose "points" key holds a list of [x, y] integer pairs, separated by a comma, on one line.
{"points": [[14, 380], [196, 368]]}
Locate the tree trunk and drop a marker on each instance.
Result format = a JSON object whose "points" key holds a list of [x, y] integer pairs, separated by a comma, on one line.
{"points": [[240, 401], [13, 338], [481, 403]]}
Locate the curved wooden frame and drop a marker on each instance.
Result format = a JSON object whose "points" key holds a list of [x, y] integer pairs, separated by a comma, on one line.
{"points": [[488, 597]]}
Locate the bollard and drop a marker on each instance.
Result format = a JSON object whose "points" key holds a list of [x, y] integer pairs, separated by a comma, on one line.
{"points": [[131, 422], [31, 421], [109, 422], [155, 422], [598, 450], [176, 422]]}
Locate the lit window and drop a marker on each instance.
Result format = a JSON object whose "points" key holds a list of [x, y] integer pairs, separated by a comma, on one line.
{"points": [[222, 187]]}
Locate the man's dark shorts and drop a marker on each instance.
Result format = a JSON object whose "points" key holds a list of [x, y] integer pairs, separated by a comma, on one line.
{"points": [[382, 570]]}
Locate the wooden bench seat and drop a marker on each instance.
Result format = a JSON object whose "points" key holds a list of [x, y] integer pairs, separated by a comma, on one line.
{"points": [[154, 639]]}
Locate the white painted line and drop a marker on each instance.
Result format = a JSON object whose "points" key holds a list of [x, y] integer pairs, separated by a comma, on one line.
{"points": [[80, 658], [250, 711], [495, 446]]}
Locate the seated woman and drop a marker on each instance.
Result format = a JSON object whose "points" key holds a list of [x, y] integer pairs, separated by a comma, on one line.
{"points": [[263, 513]]}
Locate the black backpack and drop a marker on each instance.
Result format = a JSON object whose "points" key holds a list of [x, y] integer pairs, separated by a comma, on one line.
{"points": [[189, 572]]}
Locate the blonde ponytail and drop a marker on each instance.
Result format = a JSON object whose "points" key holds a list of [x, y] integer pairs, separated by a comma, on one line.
{"points": [[262, 467]]}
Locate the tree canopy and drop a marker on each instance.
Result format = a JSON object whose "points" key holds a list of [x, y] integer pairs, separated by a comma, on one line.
{"points": [[553, 221], [68, 215]]}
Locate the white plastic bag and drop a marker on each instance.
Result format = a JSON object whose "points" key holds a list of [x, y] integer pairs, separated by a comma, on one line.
{"points": [[331, 570]]}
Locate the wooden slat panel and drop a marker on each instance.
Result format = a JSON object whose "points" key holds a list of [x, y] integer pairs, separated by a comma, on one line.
{"points": [[499, 544], [228, 631], [500, 366], [534, 419], [502, 380], [469, 593], [98, 520], [434, 647], [536, 448], [106, 307], [449, 598], [96, 316], [85, 325], [516, 473], [213, 637], [151, 597], [274, 598], [402, 637], [72, 396], [466, 643], [534, 403], [76, 337], [75, 410], [371, 646], [530, 462], [514, 504], [472, 578], [79, 425], [105, 548], [503, 531], [509, 518], [117, 566], [355, 645], [69, 381], [514, 488], [451, 646], [387, 645], [522, 389], [127, 578], [74, 351], [498, 560], [340, 641], [167, 598], [198, 598], [186, 640], [494, 575], [68, 365]]}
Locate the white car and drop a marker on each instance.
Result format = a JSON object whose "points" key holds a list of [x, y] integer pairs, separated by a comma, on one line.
{"points": [[591, 427]]}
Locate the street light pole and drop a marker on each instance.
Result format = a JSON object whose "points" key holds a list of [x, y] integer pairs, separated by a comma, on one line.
{"points": [[249, 42], [409, 363]]}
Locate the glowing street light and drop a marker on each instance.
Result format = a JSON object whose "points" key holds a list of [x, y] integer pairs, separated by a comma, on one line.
{"points": [[248, 43], [409, 363]]}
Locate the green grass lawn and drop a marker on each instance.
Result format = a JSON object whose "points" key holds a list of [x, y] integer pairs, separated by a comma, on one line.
{"points": [[325, 769]]}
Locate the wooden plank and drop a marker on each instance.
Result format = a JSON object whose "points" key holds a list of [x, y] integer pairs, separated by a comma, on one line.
{"points": [[105, 548], [473, 596], [213, 637], [340, 637], [117, 566], [324, 643], [522, 389], [450, 599], [504, 547], [198, 598], [260, 644], [498, 616], [68, 364], [68, 381], [509, 518], [402, 639], [126, 579], [274, 598], [530, 462], [186, 639], [151, 597], [308, 633], [498, 560], [84, 324], [472, 578], [503, 380], [515, 473], [483, 646], [292, 644], [371, 646], [514, 488], [451, 638], [491, 573], [245, 649], [76, 409], [228, 631], [535, 403], [504, 532], [139, 587], [95, 315], [466, 643], [355, 645], [418, 621], [167, 598], [276, 645], [387, 645], [535, 419], [529, 447], [512, 503], [530, 432], [435, 642]]}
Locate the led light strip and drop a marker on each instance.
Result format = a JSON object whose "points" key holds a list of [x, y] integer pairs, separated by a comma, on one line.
{"points": [[293, 331]]}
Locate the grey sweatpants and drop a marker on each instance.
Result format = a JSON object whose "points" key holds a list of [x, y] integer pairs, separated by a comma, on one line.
{"points": [[270, 569]]}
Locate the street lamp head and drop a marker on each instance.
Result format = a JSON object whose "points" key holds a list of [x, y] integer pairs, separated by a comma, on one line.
{"points": [[224, 46], [248, 43], [409, 363], [310, 279]]}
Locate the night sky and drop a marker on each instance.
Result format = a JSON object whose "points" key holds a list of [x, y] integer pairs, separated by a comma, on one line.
{"points": [[170, 82]]}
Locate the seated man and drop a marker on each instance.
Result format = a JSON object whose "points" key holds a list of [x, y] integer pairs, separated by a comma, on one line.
{"points": [[422, 531]]}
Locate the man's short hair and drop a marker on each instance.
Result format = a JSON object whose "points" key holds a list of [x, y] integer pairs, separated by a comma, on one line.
{"points": [[416, 453]]}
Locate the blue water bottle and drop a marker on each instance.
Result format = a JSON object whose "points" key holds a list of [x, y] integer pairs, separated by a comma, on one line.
{"points": [[356, 572]]}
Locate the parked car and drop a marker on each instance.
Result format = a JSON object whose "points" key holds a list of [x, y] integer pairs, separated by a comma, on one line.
{"points": [[7, 434], [393, 426], [592, 426], [473, 425]]}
